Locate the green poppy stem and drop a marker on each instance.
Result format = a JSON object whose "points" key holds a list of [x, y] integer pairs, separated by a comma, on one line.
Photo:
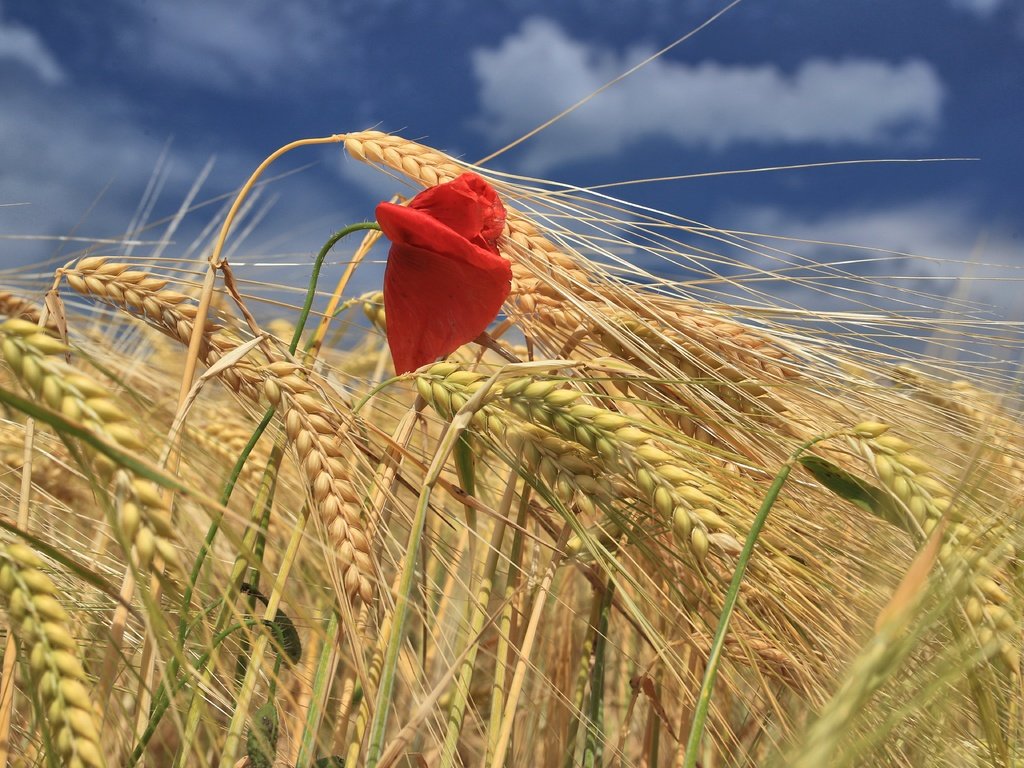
{"points": [[315, 277]]}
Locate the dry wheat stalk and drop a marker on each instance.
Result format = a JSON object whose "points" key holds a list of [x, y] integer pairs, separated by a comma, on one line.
{"points": [[41, 625], [726, 372]]}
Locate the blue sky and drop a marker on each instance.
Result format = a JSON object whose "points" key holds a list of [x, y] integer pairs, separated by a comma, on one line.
{"points": [[95, 94]]}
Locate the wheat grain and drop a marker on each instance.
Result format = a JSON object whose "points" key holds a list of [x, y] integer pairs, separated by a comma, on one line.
{"points": [[144, 518], [965, 553], [315, 428], [41, 625], [676, 489], [563, 466]]}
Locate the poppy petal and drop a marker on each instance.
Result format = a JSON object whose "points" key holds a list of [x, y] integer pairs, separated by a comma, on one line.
{"points": [[434, 304], [418, 229], [468, 205]]}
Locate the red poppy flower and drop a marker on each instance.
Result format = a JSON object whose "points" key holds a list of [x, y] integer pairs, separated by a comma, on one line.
{"points": [[445, 281]]}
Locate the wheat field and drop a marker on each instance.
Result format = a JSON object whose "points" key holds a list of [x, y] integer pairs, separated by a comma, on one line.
{"points": [[638, 526]]}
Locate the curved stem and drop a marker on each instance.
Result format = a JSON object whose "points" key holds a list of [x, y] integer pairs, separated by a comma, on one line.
{"points": [[244, 191], [317, 264], [333, 308]]}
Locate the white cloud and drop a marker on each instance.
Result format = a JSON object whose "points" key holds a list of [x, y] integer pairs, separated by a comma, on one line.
{"points": [[78, 165], [538, 71], [226, 45], [982, 8], [938, 229], [935, 247], [23, 46]]}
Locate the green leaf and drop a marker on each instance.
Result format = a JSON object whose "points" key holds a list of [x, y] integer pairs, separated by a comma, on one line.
{"points": [[261, 741], [286, 636], [465, 463], [855, 490]]}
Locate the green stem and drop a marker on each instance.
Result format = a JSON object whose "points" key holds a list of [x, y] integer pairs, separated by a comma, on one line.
{"points": [[317, 698], [315, 277], [583, 671], [394, 647], [593, 749], [245, 692], [161, 701], [457, 710], [239, 465], [700, 714], [211, 533], [504, 630]]}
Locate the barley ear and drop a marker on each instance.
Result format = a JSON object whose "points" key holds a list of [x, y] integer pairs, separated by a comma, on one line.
{"points": [[59, 682]]}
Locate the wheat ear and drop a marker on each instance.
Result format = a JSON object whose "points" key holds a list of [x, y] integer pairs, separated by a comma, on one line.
{"points": [[926, 501], [41, 625], [680, 493], [12, 305], [316, 429], [34, 356]]}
